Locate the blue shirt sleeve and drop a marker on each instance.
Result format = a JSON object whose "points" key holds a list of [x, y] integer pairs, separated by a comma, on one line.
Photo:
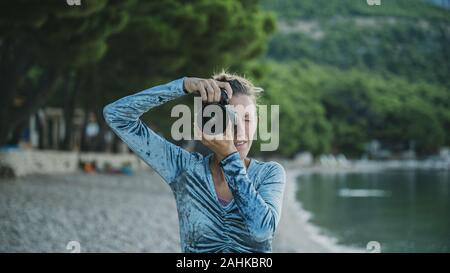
{"points": [[123, 116], [261, 208]]}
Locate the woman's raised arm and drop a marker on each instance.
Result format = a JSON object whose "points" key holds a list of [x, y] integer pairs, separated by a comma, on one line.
{"points": [[123, 116]]}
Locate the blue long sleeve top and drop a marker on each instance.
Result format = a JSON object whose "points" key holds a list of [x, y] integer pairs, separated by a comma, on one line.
{"points": [[246, 224]]}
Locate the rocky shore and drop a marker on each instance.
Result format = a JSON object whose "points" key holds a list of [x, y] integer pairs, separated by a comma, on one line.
{"points": [[115, 213]]}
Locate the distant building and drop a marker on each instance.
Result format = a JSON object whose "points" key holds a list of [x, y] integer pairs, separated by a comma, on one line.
{"points": [[47, 128]]}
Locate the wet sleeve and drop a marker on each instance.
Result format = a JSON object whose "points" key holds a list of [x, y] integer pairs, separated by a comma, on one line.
{"points": [[123, 116], [260, 207]]}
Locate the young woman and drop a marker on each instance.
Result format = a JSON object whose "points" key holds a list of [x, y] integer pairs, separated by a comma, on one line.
{"points": [[226, 201]]}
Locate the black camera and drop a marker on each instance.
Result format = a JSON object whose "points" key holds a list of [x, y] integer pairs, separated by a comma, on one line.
{"points": [[217, 115]]}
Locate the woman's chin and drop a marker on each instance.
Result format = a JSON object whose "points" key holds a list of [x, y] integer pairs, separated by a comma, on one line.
{"points": [[242, 152], [242, 147]]}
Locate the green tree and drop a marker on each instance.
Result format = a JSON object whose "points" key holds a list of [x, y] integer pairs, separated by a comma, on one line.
{"points": [[164, 40], [69, 53], [302, 123], [42, 44], [324, 109]]}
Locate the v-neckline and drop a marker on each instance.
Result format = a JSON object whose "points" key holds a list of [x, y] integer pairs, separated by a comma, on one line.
{"points": [[212, 186]]}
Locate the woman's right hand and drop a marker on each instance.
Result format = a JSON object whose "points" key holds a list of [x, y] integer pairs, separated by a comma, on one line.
{"points": [[209, 89]]}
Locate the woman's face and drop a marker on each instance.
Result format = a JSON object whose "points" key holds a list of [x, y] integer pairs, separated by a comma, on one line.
{"points": [[246, 125]]}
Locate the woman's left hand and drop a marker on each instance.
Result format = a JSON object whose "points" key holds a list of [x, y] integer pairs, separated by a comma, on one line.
{"points": [[222, 144]]}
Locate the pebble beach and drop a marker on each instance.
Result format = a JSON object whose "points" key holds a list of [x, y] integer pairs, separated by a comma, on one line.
{"points": [[116, 213]]}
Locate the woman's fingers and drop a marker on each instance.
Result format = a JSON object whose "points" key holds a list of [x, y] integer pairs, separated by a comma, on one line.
{"points": [[229, 133], [227, 87], [210, 91], [216, 90], [202, 91]]}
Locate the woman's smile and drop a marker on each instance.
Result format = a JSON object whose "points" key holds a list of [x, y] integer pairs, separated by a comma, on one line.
{"points": [[240, 145]]}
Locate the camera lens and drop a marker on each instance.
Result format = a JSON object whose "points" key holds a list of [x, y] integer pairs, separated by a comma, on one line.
{"points": [[214, 115]]}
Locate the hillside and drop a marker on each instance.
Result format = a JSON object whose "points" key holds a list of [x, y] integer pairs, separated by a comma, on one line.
{"points": [[345, 73]]}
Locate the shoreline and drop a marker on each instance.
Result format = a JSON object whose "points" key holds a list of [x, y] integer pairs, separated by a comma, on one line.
{"points": [[116, 213], [21, 163], [314, 240], [295, 233]]}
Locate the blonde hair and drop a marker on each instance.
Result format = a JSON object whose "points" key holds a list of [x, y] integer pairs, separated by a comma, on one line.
{"points": [[239, 84]]}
